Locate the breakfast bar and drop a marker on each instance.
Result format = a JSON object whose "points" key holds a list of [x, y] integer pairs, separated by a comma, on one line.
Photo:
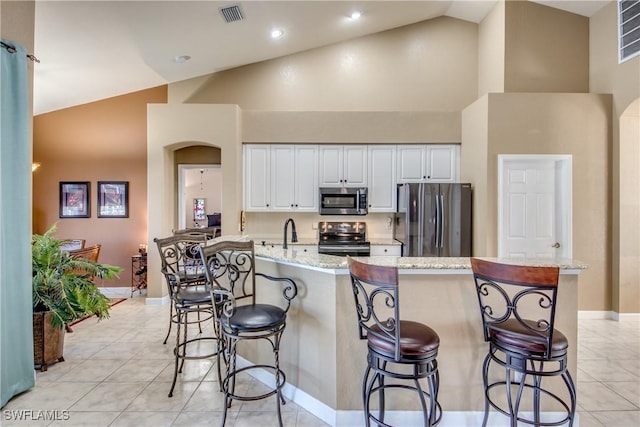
{"points": [[324, 360]]}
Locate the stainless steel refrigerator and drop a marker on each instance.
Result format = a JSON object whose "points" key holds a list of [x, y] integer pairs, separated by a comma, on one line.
{"points": [[434, 220]]}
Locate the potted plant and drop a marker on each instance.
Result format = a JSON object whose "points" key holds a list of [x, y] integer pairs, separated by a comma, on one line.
{"points": [[63, 291]]}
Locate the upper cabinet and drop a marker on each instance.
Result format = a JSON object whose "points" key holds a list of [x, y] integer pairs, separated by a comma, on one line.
{"points": [[428, 163], [286, 177], [343, 165], [382, 178], [257, 177], [281, 177]]}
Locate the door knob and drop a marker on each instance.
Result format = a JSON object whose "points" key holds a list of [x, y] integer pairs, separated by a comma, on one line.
{"points": [[557, 245]]}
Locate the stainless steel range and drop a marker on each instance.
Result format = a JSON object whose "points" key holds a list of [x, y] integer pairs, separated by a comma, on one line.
{"points": [[343, 238]]}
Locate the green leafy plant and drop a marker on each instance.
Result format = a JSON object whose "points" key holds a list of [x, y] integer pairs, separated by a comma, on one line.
{"points": [[63, 284]]}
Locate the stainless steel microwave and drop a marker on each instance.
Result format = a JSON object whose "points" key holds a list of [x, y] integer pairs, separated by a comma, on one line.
{"points": [[343, 201]]}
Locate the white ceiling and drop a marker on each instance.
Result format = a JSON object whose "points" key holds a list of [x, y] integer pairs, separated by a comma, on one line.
{"points": [[91, 50]]}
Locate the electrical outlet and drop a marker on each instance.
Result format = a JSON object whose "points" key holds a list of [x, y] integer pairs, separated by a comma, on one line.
{"points": [[314, 225], [389, 222]]}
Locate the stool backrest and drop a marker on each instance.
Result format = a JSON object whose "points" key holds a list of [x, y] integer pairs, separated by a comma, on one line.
{"points": [[375, 291], [230, 265], [179, 253], [524, 294]]}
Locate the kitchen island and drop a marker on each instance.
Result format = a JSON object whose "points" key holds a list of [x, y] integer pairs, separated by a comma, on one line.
{"points": [[324, 360]]}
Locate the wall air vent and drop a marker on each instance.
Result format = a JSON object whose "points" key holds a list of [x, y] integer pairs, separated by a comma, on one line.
{"points": [[231, 13], [628, 29]]}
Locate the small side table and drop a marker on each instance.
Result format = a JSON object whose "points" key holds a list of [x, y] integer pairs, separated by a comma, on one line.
{"points": [[138, 272]]}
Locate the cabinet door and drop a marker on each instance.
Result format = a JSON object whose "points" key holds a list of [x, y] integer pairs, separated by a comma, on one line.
{"points": [[331, 165], [306, 178], [257, 177], [442, 163], [382, 174], [282, 177], [411, 163], [355, 166], [384, 250]]}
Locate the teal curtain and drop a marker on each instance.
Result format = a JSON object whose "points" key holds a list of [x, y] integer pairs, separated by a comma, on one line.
{"points": [[16, 331]]}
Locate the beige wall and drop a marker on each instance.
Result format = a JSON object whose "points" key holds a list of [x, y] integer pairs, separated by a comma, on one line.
{"points": [[175, 126], [491, 51], [428, 66], [100, 141], [473, 168], [623, 81], [576, 124], [546, 49]]}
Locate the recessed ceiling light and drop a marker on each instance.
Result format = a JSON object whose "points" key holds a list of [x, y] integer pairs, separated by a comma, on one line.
{"points": [[355, 15], [181, 59], [276, 34]]}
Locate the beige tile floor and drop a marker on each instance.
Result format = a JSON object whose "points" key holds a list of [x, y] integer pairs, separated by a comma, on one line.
{"points": [[118, 373]]}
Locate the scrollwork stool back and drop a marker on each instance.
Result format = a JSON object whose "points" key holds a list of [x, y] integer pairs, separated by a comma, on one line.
{"points": [[393, 344], [517, 305]]}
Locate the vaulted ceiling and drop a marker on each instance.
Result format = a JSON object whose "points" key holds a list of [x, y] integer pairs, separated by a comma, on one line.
{"points": [[91, 50]]}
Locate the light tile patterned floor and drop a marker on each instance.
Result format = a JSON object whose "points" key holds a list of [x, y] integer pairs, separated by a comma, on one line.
{"points": [[118, 373]]}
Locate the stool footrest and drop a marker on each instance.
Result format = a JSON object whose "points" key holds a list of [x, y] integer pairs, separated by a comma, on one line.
{"points": [[278, 386]]}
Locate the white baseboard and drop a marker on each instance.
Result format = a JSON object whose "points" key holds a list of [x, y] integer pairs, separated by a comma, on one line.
{"points": [[116, 292], [607, 315], [157, 301], [355, 418]]}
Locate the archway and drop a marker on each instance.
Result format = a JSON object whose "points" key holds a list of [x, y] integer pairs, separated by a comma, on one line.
{"points": [[626, 292]]}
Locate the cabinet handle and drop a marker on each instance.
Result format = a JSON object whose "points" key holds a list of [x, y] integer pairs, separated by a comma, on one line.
{"points": [[291, 204], [267, 204]]}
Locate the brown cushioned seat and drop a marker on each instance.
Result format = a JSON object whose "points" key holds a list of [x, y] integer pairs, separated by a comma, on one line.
{"points": [[416, 340], [512, 335]]}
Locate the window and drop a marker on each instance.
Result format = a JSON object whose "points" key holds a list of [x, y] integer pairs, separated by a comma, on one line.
{"points": [[628, 29]]}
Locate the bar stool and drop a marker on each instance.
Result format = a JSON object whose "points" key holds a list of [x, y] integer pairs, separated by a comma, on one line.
{"points": [[393, 344], [517, 305], [188, 294], [230, 271]]}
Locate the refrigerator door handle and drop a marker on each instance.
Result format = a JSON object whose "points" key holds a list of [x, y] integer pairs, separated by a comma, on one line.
{"points": [[441, 222], [420, 218], [437, 244]]}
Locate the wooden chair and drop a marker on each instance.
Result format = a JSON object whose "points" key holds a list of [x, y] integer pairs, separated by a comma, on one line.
{"points": [[72, 244], [90, 253]]}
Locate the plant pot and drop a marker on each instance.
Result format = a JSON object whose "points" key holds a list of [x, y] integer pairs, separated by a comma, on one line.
{"points": [[48, 342]]}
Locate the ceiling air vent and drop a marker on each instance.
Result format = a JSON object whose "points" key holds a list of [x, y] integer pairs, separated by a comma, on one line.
{"points": [[231, 13]]}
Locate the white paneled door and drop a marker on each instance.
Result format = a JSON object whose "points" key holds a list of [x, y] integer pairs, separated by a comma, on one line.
{"points": [[535, 208]]}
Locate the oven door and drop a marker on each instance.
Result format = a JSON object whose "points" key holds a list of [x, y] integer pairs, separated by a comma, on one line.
{"points": [[363, 249]]}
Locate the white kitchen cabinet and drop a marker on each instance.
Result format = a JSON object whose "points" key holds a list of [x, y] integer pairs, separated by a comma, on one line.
{"points": [[306, 178], [257, 177], [343, 165], [386, 250], [428, 163], [381, 178], [281, 177]]}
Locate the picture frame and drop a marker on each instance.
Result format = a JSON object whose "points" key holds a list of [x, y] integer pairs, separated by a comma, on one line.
{"points": [[113, 199], [199, 209], [75, 199]]}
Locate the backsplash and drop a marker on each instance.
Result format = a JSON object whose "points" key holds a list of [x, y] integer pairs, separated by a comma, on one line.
{"points": [[271, 225]]}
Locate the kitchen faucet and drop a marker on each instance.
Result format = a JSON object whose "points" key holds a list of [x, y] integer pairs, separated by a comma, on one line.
{"points": [[294, 235]]}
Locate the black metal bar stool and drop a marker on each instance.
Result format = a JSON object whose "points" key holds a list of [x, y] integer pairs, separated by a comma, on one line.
{"points": [[230, 270], [518, 305], [188, 293], [393, 344]]}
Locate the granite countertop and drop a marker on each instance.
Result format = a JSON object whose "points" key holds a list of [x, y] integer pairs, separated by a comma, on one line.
{"points": [[313, 259]]}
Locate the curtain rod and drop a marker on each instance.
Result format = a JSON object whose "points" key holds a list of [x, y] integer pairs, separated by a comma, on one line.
{"points": [[12, 49]]}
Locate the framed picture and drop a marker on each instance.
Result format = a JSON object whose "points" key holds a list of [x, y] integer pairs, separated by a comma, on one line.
{"points": [[198, 210], [74, 199], [113, 199]]}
